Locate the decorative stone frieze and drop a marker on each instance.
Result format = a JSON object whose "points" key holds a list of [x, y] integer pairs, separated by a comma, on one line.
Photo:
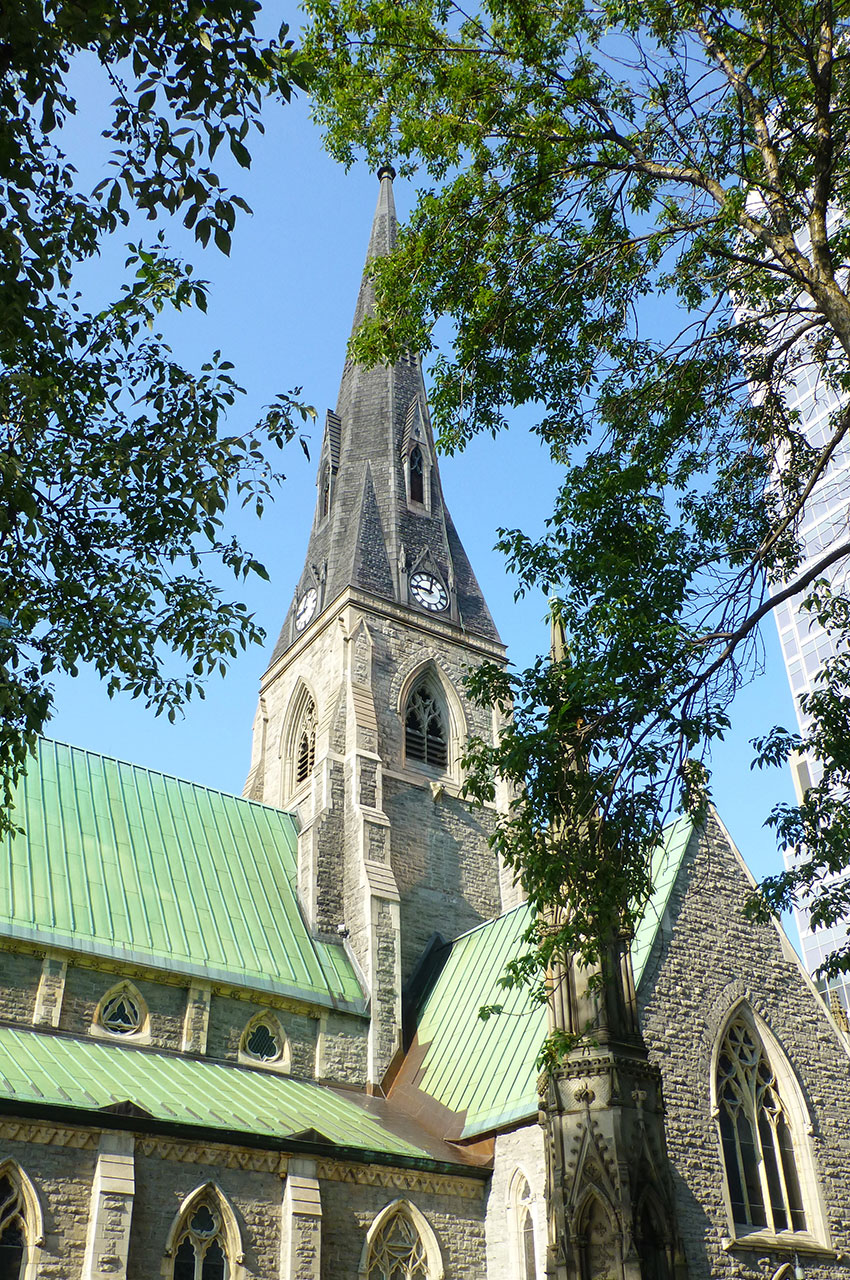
{"points": [[391, 1179]]}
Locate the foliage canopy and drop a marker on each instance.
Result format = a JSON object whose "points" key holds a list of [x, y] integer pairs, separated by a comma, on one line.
{"points": [[114, 469], [634, 225]]}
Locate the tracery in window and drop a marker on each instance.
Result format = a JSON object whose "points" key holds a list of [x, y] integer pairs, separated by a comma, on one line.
{"points": [[201, 1253], [13, 1240], [425, 729], [523, 1228], [416, 472], [264, 1041], [397, 1251], [305, 743], [122, 1011], [758, 1151]]}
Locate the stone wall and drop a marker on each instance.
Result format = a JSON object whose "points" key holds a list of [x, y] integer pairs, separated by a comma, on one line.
{"points": [[164, 1172], [167, 1172], [519, 1153], [19, 987], [341, 1049], [229, 1018], [707, 959], [60, 1164], [353, 1196], [85, 988]]}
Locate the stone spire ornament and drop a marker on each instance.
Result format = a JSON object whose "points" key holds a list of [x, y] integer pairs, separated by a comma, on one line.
{"points": [[610, 1199]]}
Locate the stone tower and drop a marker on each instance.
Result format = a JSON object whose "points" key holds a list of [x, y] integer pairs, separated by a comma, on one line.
{"points": [[363, 716]]}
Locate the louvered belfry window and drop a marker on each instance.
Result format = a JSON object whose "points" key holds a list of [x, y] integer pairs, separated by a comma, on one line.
{"points": [[417, 475], [425, 728], [305, 749], [758, 1151]]}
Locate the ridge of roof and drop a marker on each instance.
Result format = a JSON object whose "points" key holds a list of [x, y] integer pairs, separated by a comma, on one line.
{"points": [[160, 773]]}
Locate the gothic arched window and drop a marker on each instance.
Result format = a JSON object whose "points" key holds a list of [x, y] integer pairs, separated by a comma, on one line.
{"points": [[325, 491], [416, 471], [425, 726], [305, 743], [521, 1211], [758, 1150], [401, 1246], [13, 1228], [200, 1249]]}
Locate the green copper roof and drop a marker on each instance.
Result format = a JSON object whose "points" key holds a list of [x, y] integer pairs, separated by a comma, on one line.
{"points": [[120, 861], [52, 1070], [483, 1072]]}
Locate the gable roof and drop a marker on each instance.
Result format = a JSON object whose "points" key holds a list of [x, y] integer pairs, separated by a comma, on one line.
{"points": [[118, 861], [59, 1074], [476, 1076]]}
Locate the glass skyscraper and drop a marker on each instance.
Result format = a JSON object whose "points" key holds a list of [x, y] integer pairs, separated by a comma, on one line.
{"points": [[805, 645]]}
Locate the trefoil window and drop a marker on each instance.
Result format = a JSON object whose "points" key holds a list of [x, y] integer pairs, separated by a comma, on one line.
{"points": [[262, 1041], [425, 736], [758, 1152]]}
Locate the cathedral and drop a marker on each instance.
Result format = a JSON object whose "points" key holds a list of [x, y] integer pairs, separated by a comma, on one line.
{"points": [[240, 1035]]}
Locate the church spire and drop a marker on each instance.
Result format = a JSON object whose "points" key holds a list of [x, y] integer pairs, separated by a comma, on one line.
{"points": [[381, 524]]}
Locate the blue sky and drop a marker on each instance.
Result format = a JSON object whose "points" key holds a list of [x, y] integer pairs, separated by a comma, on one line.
{"points": [[281, 310]]}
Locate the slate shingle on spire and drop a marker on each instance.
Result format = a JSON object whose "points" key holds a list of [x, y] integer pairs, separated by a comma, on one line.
{"points": [[369, 532]]}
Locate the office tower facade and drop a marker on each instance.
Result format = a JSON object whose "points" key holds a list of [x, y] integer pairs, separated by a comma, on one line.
{"points": [[805, 644]]}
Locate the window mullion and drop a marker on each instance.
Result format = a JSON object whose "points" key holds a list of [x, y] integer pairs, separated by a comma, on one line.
{"points": [[762, 1173], [780, 1165], [742, 1170]]}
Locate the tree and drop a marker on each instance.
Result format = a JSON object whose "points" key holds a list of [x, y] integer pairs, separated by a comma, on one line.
{"points": [[114, 468], [587, 160]]}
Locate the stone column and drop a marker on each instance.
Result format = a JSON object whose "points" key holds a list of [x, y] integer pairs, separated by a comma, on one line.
{"points": [[301, 1223], [111, 1209]]}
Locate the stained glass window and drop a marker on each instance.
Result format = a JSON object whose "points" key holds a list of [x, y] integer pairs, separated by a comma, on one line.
{"points": [[121, 1014], [758, 1152], [12, 1230], [397, 1251], [200, 1251]]}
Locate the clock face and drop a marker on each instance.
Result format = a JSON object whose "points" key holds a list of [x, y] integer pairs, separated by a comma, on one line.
{"points": [[428, 591], [306, 608]]}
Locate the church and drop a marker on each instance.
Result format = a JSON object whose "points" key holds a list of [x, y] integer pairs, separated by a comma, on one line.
{"points": [[239, 1035]]}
